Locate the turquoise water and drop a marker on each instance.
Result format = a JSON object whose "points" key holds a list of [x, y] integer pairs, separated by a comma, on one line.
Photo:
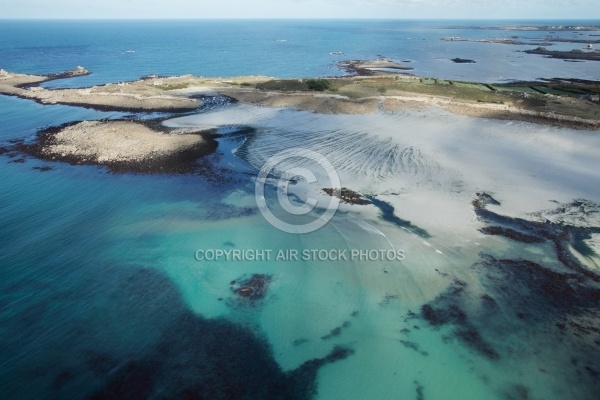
{"points": [[101, 295]]}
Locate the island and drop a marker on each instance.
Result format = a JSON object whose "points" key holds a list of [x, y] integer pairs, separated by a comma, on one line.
{"points": [[145, 145], [121, 145], [593, 55]]}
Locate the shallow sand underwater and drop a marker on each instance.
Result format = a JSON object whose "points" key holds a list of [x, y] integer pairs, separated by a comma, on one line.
{"points": [[495, 326]]}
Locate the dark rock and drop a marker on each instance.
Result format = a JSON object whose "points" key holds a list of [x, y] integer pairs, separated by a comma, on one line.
{"points": [[347, 196], [566, 55], [253, 288], [463, 61], [44, 168]]}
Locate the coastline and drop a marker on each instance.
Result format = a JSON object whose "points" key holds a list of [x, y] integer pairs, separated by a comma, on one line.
{"points": [[148, 147], [344, 95], [99, 98]]}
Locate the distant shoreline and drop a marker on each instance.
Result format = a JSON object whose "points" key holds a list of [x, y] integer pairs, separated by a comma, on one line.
{"points": [[560, 102]]}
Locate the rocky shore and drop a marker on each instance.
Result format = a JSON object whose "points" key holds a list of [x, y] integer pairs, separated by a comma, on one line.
{"points": [[566, 55], [372, 67], [121, 146]]}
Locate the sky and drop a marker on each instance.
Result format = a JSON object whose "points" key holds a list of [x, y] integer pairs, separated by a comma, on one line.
{"points": [[401, 9]]}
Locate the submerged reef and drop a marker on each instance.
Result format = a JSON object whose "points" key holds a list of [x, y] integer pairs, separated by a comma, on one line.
{"points": [[182, 355]]}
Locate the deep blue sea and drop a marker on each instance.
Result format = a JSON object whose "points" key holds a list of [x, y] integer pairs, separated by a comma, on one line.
{"points": [[290, 48], [101, 296]]}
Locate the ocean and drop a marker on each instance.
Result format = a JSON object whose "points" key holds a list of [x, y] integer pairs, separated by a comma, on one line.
{"points": [[110, 283], [125, 50]]}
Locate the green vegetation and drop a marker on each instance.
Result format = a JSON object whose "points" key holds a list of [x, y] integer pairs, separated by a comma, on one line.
{"points": [[172, 86], [318, 85], [531, 95], [297, 85], [284, 85], [535, 101]]}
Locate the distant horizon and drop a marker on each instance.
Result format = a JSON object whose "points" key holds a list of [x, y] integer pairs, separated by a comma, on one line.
{"points": [[302, 9], [292, 19]]}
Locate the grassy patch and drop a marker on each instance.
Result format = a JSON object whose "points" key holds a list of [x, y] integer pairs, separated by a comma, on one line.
{"points": [[535, 102], [318, 85], [172, 86], [284, 85]]}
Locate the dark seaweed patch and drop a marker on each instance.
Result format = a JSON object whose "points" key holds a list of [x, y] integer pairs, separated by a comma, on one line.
{"points": [[579, 244], [413, 346], [447, 309], [517, 392], [135, 380], [419, 389], [387, 299], [193, 357], [561, 235], [253, 288], [222, 211], [511, 234], [387, 214], [472, 337], [551, 290], [337, 331]]}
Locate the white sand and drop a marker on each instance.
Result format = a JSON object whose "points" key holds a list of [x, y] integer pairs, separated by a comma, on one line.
{"points": [[430, 163]]}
